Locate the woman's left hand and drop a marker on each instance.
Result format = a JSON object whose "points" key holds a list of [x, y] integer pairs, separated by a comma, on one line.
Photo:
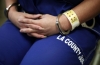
{"points": [[47, 22]]}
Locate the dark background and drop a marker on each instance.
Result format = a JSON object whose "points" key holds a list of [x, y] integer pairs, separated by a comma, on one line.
{"points": [[2, 7], [96, 60]]}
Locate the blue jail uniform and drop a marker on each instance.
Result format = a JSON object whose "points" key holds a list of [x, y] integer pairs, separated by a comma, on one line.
{"points": [[76, 48]]}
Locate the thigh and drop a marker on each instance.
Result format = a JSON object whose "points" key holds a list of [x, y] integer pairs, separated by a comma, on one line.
{"points": [[13, 44], [73, 49]]}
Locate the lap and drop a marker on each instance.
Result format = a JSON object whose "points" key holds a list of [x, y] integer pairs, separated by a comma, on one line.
{"points": [[13, 44], [75, 48], [54, 50]]}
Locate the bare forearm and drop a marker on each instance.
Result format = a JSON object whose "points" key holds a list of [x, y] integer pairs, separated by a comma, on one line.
{"points": [[12, 8], [87, 10], [9, 2]]}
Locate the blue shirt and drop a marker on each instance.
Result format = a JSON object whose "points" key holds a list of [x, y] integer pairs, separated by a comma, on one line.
{"points": [[53, 7]]}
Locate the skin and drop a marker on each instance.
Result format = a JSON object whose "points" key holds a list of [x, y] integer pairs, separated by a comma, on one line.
{"points": [[45, 24]]}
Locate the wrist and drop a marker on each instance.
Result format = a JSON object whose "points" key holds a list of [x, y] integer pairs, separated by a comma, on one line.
{"points": [[61, 25], [73, 19], [10, 8], [64, 22]]}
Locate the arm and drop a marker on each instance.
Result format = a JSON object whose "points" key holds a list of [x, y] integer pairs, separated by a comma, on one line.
{"points": [[85, 11], [9, 2], [15, 16]]}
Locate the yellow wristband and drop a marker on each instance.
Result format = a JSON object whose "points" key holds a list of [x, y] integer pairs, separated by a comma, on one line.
{"points": [[73, 19]]}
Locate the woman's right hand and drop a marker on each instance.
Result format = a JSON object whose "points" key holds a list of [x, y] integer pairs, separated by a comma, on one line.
{"points": [[15, 16]]}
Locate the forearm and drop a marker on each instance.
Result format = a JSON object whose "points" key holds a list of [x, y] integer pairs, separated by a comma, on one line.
{"points": [[85, 11], [9, 2], [12, 12]]}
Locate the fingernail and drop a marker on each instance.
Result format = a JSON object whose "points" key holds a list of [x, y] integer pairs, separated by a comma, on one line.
{"points": [[43, 36], [22, 30], [41, 28]]}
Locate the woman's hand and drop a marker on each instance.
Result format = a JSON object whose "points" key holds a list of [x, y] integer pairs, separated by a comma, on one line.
{"points": [[15, 18], [47, 22]]}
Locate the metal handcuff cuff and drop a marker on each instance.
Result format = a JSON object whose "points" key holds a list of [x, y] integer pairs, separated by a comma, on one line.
{"points": [[6, 11], [89, 27], [74, 21], [59, 27]]}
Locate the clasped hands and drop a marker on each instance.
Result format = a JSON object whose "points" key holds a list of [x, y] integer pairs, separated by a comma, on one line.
{"points": [[39, 26]]}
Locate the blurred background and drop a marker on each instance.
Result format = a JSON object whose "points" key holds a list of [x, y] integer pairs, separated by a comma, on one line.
{"points": [[96, 59], [2, 7]]}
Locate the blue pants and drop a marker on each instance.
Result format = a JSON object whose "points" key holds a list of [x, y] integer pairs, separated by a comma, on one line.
{"points": [[76, 48]]}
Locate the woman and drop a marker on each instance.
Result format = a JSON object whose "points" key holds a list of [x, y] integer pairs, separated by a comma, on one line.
{"points": [[49, 32]]}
